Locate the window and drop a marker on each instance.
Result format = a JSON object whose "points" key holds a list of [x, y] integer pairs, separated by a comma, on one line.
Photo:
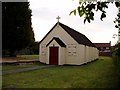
{"points": [[72, 49], [107, 48], [43, 50]]}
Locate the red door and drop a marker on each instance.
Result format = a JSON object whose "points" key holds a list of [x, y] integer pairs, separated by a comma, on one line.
{"points": [[53, 58]]}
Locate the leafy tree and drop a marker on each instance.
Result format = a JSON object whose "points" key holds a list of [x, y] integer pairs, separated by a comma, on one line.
{"points": [[17, 32], [31, 49], [87, 8], [35, 48]]}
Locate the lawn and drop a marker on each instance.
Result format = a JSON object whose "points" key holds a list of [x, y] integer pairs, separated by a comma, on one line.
{"points": [[21, 57], [28, 56], [98, 74], [13, 67]]}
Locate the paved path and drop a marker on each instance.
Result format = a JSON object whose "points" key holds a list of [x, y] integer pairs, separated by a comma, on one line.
{"points": [[18, 61], [25, 69]]}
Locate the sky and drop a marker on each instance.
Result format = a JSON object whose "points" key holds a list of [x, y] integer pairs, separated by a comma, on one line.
{"points": [[45, 12]]}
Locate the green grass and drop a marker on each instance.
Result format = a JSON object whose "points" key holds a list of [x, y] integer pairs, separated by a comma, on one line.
{"points": [[13, 67], [98, 74], [28, 56]]}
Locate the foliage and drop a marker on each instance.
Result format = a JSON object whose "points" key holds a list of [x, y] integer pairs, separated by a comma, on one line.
{"points": [[116, 54], [34, 47], [86, 9], [31, 49], [116, 58], [16, 25], [5, 53], [98, 74]]}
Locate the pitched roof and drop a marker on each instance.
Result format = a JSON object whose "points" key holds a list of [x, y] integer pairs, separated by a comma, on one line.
{"points": [[60, 42], [78, 37]]}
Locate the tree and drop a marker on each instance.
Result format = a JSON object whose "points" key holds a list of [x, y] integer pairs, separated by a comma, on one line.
{"points": [[86, 9], [34, 48], [17, 32], [31, 49]]}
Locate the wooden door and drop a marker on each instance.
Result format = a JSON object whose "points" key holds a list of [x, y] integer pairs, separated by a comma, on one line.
{"points": [[53, 55]]}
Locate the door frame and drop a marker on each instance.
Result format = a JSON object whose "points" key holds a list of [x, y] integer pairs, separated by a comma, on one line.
{"points": [[57, 55]]}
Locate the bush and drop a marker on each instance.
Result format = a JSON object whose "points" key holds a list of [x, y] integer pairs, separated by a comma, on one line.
{"points": [[116, 58], [26, 51], [116, 54], [5, 53]]}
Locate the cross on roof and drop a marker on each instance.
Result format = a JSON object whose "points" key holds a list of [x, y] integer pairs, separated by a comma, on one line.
{"points": [[58, 18]]}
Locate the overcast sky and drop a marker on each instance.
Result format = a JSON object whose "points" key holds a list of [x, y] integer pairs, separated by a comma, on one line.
{"points": [[44, 13]]}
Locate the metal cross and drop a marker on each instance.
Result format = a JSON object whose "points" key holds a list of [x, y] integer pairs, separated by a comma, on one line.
{"points": [[58, 18]]}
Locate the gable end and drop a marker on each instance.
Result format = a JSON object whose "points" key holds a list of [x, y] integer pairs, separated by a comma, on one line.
{"points": [[78, 37], [60, 42], [48, 33]]}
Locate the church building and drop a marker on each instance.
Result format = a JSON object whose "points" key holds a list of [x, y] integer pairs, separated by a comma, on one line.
{"points": [[63, 45]]}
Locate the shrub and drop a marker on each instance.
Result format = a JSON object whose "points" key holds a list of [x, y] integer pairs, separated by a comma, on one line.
{"points": [[116, 58], [5, 53]]}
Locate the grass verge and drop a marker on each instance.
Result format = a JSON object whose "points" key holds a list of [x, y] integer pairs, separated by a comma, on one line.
{"points": [[98, 74], [28, 56], [26, 65]]}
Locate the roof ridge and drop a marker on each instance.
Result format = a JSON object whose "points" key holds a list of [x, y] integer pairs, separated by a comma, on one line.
{"points": [[71, 28], [48, 32], [79, 37]]}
